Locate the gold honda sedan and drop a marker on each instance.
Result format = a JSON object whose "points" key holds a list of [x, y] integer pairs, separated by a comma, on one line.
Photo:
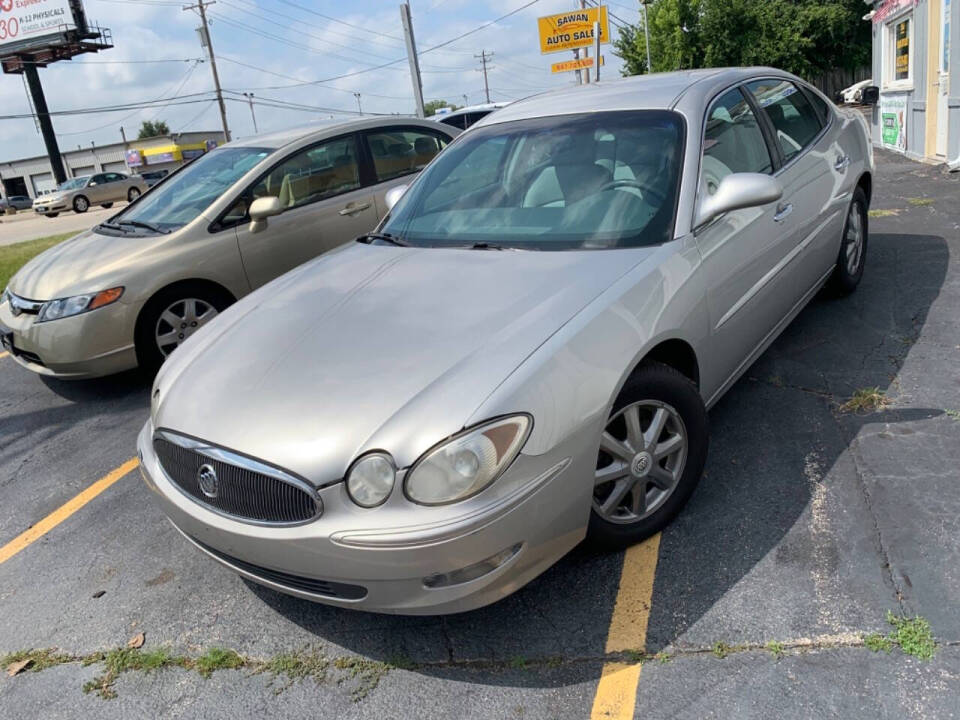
{"points": [[79, 193], [132, 289]]}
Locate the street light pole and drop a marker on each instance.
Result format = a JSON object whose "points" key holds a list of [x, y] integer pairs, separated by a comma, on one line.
{"points": [[249, 97], [646, 34], [357, 96]]}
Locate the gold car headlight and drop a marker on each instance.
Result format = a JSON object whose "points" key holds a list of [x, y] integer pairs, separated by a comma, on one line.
{"points": [[66, 307], [467, 463]]}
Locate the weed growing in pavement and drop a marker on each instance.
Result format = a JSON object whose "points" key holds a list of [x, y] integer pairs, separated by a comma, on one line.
{"points": [[294, 667], [913, 635], [636, 657], [36, 660], [721, 649], [877, 643], [518, 663], [367, 673], [952, 414], [883, 213], [662, 657], [218, 659], [775, 648], [866, 400], [920, 202]]}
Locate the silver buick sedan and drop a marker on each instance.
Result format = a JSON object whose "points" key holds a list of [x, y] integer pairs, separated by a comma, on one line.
{"points": [[523, 354]]}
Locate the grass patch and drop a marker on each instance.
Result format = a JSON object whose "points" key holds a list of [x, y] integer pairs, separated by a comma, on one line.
{"points": [[877, 643], [366, 672], [920, 202], [866, 400], [218, 659], [721, 649], [37, 659], [883, 213], [913, 635], [775, 648], [296, 667], [14, 257], [952, 414]]}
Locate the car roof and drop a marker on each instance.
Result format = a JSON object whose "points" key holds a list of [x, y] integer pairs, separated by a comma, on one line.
{"points": [[639, 92], [281, 138], [488, 107]]}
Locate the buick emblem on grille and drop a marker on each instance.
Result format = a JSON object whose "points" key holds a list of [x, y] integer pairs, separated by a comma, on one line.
{"points": [[207, 479]]}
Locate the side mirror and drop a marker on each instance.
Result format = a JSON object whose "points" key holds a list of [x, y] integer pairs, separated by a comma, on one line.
{"points": [[738, 191], [870, 95], [261, 209], [394, 194]]}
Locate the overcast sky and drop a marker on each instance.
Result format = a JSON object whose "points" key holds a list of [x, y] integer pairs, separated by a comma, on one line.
{"points": [[304, 46]]}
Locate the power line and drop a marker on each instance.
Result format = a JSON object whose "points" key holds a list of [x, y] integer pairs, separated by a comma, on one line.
{"points": [[167, 102], [196, 117], [109, 62], [300, 80], [341, 22], [477, 29]]}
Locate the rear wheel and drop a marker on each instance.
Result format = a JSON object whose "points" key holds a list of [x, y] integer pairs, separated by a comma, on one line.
{"points": [[651, 456], [171, 317], [133, 194], [80, 204], [853, 247]]}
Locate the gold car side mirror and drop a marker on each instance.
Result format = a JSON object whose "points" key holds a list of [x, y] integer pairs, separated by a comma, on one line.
{"points": [[260, 210]]}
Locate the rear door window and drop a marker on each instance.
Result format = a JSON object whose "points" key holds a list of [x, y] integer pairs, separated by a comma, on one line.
{"points": [[401, 152], [795, 121]]}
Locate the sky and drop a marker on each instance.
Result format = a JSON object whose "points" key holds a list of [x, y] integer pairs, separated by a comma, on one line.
{"points": [[261, 44]]}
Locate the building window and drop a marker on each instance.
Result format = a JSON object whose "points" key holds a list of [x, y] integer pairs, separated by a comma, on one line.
{"points": [[898, 51]]}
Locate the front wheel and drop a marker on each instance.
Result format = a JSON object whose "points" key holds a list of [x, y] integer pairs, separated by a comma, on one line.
{"points": [[80, 204], [106, 205], [651, 456], [171, 317], [133, 194], [853, 247], [52, 215]]}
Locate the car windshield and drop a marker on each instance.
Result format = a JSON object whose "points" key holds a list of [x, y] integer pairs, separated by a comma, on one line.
{"points": [[77, 182], [188, 193], [592, 181]]}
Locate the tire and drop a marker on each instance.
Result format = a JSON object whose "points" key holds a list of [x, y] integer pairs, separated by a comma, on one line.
{"points": [[80, 204], [133, 194], [652, 389], [852, 258], [106, 205], [151, 325], [52, 215]]}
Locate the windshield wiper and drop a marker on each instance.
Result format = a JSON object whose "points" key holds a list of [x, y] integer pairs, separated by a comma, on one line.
{"points": [[383, 237], [489, 246], [145, 225], [111, 226]]}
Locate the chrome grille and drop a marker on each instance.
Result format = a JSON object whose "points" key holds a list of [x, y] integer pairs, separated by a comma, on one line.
{"points": [[246, 489]]}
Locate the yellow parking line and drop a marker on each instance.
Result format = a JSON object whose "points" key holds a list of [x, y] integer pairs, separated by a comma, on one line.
{"points": [[617, 689], [3, 355], [64, 511]]}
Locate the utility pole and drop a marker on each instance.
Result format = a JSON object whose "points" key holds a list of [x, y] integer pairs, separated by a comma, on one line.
{"points": [[123, 134], [596, 49], [465, 102], [357, 96], [484, 56], [249, 97], [204, 29], [46, 126], [586, 51], [646, 34], [412, 58]]}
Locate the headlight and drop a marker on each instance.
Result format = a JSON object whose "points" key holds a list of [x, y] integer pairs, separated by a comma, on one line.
{"points": [[65, 307], [467, 463], [370, 480]]}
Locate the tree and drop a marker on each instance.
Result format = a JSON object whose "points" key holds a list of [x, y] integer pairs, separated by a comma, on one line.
{"points": [[151, 128], [805, 37], [431, 107]]}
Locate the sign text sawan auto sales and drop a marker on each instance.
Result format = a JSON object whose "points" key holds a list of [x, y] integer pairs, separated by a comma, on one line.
{"points": [[24, 20]]}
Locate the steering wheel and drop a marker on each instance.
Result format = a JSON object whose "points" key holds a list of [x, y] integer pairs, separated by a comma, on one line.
{"points": [[644, 188]]}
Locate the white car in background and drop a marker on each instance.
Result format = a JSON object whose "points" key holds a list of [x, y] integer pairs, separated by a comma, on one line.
{"points": [[853, 95]]}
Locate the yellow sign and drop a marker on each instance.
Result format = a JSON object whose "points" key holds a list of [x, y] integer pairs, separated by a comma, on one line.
{"points": [[569, 65], [573, 29]]}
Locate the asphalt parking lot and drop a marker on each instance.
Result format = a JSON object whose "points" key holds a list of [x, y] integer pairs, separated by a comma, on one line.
{"points": [[27, 225], [814, 521]]}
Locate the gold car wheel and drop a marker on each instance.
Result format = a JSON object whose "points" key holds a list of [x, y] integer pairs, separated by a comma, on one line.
{"points": [[180, 320]]}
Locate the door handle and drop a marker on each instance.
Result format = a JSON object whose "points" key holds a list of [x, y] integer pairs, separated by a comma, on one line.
{"points": [[783, 211], [842, 163], [354, 208]]}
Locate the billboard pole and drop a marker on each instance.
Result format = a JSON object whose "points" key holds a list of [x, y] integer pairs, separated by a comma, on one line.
{"points": [[46, 126]]}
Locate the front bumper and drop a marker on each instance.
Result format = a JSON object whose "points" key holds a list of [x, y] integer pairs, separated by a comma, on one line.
{"points": [[88, 345], [383, 568], [53, 207]]}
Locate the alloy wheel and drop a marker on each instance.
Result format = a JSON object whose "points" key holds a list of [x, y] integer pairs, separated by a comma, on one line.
{"points": [[133, 194], [854, 239], [81, 204], [181, 320], [643, 450]]}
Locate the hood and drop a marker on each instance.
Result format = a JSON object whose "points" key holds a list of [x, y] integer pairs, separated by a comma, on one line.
{"points": [[79, 265], [373, 348]]}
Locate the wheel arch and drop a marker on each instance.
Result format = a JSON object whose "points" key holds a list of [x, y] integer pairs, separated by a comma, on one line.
{"points": [[675, 353], [866, 183]]}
